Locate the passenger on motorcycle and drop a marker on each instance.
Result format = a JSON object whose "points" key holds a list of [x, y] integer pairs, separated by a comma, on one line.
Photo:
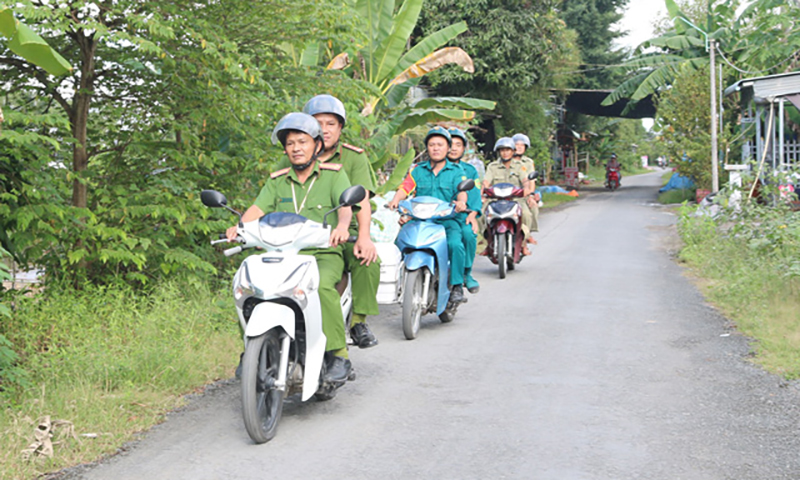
{"points": [[469, 222], [439, 178], [508, 169], [311, 188], [521, 144], [360, 258], [613, 164]]}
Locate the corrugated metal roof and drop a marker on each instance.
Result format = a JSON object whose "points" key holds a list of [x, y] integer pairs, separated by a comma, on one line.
{"points": [[764, 88]]}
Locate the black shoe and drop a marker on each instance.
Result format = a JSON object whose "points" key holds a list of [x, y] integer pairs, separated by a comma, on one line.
{"points": [[457, 294], [362, 336], [338, 370]]}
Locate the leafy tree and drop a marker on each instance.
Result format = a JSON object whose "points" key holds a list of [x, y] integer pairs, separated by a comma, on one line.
{"points": [[520, 49], [593, 20], [164, 101]]}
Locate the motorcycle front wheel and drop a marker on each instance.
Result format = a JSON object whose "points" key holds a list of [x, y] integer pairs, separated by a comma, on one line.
{"points": [[412, 302], [262, 402], [500, 244]]}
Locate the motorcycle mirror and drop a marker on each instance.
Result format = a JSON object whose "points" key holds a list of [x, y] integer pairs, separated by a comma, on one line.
{"points": [[352, 196], [466, 185], [213, 199], [533, 175]]}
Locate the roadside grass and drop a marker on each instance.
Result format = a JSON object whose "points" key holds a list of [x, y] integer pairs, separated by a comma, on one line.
{"points": [[111, 361], [676, 196], [552, 200], [752, 273]]}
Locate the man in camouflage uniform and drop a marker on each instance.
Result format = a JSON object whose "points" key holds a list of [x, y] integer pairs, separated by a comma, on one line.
{"points": [[361, 258]]}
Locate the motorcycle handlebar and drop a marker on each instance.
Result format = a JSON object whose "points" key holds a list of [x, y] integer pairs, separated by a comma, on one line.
{"points": [[232, 251]]}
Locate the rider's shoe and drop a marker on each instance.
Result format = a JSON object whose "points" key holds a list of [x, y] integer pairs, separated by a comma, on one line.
{"points": [[362, 336], [457, 294], [338, 369], [485, 252], [472, 285]]}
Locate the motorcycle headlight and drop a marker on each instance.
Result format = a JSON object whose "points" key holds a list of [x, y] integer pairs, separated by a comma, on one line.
{"points": [[296, 286], [242, 286]]}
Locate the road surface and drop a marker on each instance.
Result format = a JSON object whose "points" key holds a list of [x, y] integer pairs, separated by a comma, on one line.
{"points": [[596, 359]]}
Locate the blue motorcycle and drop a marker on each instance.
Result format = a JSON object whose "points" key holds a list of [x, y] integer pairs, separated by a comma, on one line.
{"points": [[423, 244]]}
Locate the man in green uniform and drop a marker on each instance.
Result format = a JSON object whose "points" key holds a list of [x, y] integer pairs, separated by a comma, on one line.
{"points": [[311, 189], [360, 258], [508, 169], [469, 222], [440, 178], [521, 144]]}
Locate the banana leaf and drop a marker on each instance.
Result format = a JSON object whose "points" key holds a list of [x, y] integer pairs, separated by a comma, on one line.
{"points": [[30, 46], [378, 15], [434, 61], [432, 115], [428, 45], [392, 46], [458, 102], [399, 172]]}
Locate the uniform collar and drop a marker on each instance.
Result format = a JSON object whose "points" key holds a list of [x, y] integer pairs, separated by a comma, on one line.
{"points": [[314, 171], [447, 164]]}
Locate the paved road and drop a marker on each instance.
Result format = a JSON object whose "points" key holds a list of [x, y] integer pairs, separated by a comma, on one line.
{"points": [[596, 359]]}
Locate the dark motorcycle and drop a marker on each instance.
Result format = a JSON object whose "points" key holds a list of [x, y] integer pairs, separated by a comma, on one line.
{"points": [[504, 225]]}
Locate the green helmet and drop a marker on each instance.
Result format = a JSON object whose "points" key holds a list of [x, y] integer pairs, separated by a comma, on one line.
{"points": [[440, 131], [457, 132]]}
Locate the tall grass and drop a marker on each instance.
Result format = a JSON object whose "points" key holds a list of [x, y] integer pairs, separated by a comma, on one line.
{"points": [[112, 361], [751, 261]]}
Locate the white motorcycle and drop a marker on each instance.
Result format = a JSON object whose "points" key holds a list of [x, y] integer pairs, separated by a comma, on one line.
{"points": [[277, 299]]}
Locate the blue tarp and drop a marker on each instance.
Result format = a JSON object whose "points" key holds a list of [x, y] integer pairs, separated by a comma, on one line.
{"points": [[677, 182], [551, 189]]}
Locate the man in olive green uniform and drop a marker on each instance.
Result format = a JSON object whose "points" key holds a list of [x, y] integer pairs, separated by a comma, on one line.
{"points": [[361, 258], [508, 169], [311, 189], [521, 144]]}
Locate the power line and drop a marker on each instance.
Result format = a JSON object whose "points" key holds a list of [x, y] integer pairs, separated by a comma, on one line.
{"points": [[749, 72]]}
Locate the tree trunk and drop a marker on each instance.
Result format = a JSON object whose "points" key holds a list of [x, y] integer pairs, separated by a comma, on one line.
{"points": [[80, 117]]}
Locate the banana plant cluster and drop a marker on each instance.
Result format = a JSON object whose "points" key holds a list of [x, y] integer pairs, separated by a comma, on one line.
{"points": [[388, 68]]}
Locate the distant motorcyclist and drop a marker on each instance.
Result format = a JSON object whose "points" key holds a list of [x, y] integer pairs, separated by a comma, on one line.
{"points": [[613, 164], [469, 222], [508, 169], [439, 178]]}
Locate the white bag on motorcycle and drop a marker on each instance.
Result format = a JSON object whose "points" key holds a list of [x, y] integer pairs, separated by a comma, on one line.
{"points": [[391, 267]]}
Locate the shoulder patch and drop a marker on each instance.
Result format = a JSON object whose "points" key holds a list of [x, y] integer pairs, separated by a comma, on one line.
{"points": [[330, 166], [279, 173], [351, 147]]}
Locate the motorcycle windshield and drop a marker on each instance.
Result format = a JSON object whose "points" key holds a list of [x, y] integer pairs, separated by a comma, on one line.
{"points": [[281, 229], [426, 208]]}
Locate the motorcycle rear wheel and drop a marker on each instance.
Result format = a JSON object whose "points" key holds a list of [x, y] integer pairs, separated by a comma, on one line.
{"points": [[412, 302], [500, 243], [262, 403]]}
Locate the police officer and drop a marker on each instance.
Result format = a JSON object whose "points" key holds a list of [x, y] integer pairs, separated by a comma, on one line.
{"points": [[469, 222], [360, 258], [439, 178], [508, 169], [311, 188], [521, 144]]}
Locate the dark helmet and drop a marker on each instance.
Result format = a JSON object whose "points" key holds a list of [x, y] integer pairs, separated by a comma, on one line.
{"points": [[504, 142], [297, 121], [521, 137], [457, 132], [440, 131], [326, 104], [613, 155]]}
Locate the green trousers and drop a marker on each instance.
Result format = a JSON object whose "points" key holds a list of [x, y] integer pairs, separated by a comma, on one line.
{"points": [[330, 262], [470, 242], [455, 250], [365, 281]]}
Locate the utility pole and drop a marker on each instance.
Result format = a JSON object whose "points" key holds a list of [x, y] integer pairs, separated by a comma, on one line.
{"points": [[714, 159]]}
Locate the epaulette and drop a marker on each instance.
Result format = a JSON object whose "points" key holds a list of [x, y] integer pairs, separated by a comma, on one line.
{"points": [[280, 172], [351, 147], [330, 166]]}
